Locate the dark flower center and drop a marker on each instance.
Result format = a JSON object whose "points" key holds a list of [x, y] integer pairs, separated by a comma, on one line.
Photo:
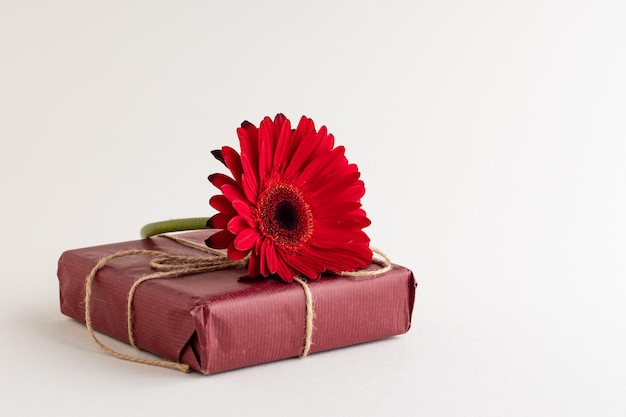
{"points": [[284, 216]]}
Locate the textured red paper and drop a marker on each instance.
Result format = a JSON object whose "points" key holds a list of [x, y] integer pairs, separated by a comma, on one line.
{"points": [[215, 321]]}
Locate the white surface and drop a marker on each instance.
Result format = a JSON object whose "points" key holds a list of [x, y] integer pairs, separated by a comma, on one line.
{"points": [[491, 136]]}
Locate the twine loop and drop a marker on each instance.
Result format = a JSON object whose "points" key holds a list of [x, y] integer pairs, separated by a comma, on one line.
{"points": [[168, 265]]}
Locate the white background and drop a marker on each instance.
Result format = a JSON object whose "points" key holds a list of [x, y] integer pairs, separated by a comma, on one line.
{"points": [[492, 140]]}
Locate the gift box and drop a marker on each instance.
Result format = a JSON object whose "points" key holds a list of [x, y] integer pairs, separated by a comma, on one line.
{"points": [[217, 321]]}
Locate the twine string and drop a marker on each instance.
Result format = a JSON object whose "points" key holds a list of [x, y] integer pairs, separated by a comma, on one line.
{"points": [[88, 322], [384, 262], [308, 324], [168, 265]]}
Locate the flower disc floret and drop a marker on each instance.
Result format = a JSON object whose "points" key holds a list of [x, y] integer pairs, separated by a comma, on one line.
{"points": [[285, 217]]}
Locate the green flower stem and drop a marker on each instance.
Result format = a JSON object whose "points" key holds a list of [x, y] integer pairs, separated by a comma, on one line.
{"points": [[174, 225]]}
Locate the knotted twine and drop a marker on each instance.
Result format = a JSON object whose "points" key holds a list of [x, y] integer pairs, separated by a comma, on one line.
{"points": [[168, 265]]}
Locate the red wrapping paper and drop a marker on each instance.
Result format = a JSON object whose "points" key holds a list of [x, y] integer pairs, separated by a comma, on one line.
{"points": [[216, 321]]}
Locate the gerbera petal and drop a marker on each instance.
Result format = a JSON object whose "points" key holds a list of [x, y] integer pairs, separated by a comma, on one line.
{"points": [[329, 208], [254, 265], [282, 146], [246, 238], [218, 155], [218, 221], [358, 220], [301, 154], [305, 126], [238, 223], [279, 119], [221, 203], [339, 236], [310, 268], [317, 145], [319, 167], [347, 258], [346, 221], [283, 270], [242, 208], [219, 180], [331, 186], [322, 143], [233, 162], [249, 141], [350, 193], [263, 258], [279, 122], [249, 178], [235, 254], [270, 255], [220, 240], [355, 191], [328, 142], [234, 193], [266, 148]]}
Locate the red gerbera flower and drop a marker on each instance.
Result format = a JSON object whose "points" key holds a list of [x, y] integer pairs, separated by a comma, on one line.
{"points": [[293, 202]]}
